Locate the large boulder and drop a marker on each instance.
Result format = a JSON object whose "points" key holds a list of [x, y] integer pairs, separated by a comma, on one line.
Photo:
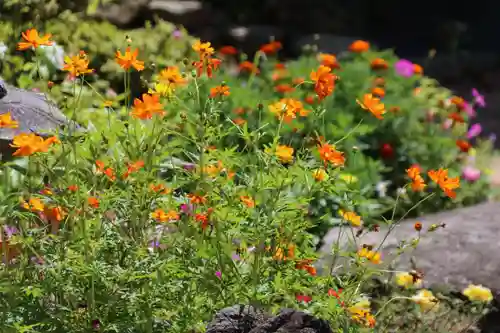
{"points": [[464, 251], [248, 319]]}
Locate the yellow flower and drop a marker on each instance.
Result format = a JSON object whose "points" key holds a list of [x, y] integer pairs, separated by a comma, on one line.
{"points": [[360, 313], [351, 217], [478, 293], [34, 205], [161, 89], [426, 300], [6, 121], [406, 280], [349, 179], [373, 256], [320, 175], [283, 153]]}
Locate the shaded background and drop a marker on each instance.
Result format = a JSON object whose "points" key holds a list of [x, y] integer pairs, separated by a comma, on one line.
{"points": [[466, 37]]}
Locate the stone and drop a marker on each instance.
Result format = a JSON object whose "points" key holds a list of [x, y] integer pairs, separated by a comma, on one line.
{"points": [[464, 251], [123, 13], [33, 111], [248, 319]]}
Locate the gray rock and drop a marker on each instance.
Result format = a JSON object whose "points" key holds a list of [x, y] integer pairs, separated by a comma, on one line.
{"points": [[34, 112], [123, 12], [247, 319], [464, 251], [175, 7]]}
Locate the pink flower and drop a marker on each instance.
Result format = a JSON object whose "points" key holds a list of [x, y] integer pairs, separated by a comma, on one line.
{"points": [[404, 68], [474, 131], [471, 173], [469, 110], [218, 274], [478, 98]]}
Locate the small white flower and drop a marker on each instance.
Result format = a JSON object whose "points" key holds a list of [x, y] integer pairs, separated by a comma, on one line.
{"points": [[401, 191], [381, 188], [3, 49]]}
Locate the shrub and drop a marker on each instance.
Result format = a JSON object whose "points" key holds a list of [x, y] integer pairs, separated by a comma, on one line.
{"points": [[113, 232]]}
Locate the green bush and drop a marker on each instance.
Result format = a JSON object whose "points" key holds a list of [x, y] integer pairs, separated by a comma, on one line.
{"points": [[108, 230]]}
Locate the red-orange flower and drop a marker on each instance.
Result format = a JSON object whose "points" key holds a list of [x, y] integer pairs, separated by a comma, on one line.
{"points": [[417, 69], [379, 63], [373, 105], [149, 106], [464, 145], [328, 153], [93, 202], [33, 39], [249, 67], [446, 183], [203, 219], [129, 59], [359, 46], [271, 48], [133, 167], [247, 201], [306, 265], [284, 88], [378, 92], [197, 199], [324, 81], [221, 90], [456, 117], [228, 50], [208, 65]]}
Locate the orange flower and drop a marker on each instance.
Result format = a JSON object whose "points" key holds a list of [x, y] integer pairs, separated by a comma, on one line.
{"points": [[324, 81], [203, 218], [271, 48], [284, 153], [204, 50], [29, 144], [239, 121], [378, 91], [447, 184], [285, 254], [206, 64], [6, 121], [55, 215], [309, 100], [110, 173], [288, 108], [459, 102], [149, 106], [417, 226], [133, 167], [73, 188], [228, 50], [373, 105], [247, 201], [374, 257], [160, 188], [172, 77], [160, 216], [394, 109], [221, 90], [298, 81], [77, 65], [328, 60], [379, 63], [279, 66], [197, 199], [359, 46], [129, 59], [33, 39], [464, 145], [249, 67], [417, 69], [328, 153], [284, 88], [93, 202], [34, 205], [417, 182], [305, 265]]}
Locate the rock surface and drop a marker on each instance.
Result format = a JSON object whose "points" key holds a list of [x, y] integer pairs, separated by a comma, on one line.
{"points": [[465, 251], [247, 319]]}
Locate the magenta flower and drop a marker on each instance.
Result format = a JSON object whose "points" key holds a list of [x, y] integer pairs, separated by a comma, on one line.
{"points": [[469, 110], [404, 68], [478, 98], [471, 173], [218, 274], [474, 131], [177, 34]]}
